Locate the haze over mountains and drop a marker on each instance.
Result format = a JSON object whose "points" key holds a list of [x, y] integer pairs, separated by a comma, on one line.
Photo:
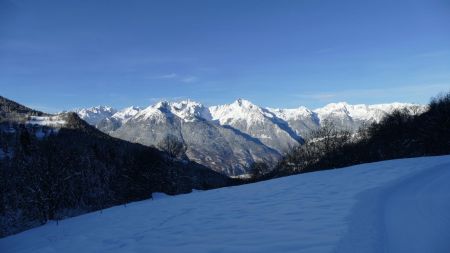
{"points": [[229, 138]]}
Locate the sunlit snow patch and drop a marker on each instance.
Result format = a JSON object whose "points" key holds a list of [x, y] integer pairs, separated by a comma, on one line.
{"points": [[50, 121]]}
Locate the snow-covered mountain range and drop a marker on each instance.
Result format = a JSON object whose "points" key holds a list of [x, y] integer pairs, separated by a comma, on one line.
{"points": [[228, 138]]}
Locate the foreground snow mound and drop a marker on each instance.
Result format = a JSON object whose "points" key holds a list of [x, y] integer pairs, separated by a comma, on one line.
{"points": [[391, 206]]}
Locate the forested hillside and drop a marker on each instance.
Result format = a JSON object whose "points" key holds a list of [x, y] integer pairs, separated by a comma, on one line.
{"points": [[55, 166]]}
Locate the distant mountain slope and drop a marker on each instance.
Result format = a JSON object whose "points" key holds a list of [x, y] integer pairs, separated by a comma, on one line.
{"points": [[54, 166], [228, 138]]}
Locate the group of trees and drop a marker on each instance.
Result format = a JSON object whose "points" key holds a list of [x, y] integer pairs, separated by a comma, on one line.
{"points": [[48, 179], [172, 146], [322, 145], [258, 170]]}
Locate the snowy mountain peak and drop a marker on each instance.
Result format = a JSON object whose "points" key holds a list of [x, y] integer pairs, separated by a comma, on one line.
{"points": [[159, 110], [291, 114], [333, 107], [239, 110], [130, 109], [189, 110], [185, 104], [243, 103], [99, 109], [161, 105], [186, 110], [126, 113], [96, 114]]}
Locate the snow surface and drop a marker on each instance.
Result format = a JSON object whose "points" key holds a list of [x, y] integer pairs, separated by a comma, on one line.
{"points": [[391, 206], [50, 121]]}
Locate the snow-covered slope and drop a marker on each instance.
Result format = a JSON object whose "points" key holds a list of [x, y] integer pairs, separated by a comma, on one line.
{"points": [[44, 126], [50, 120], [391, 206]]}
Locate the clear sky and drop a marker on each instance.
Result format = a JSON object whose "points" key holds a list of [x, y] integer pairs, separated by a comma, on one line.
{"points": [[61, 54]]}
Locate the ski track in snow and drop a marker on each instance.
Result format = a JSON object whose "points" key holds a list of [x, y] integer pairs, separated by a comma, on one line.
{"points": [[417, 214], [411, 214], [392, 206]]}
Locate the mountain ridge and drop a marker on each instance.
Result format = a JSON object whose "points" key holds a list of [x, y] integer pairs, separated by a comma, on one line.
{"points": [[258, 133], [190, 105]]}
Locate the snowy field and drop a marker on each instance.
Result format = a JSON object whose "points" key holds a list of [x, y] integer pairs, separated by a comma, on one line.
{"points": [[393, 206]]}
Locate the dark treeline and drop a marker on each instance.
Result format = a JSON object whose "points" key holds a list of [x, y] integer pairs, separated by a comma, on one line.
{"points": [[398, 135], [48, 174]]}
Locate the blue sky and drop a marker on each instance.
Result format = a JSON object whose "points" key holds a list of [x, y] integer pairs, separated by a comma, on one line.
{"points": [[57, 55]]}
